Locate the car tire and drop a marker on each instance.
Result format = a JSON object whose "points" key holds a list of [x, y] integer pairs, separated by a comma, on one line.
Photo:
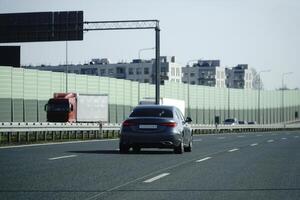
{"points": [[124, 148], [189, 148], [179, 149]]}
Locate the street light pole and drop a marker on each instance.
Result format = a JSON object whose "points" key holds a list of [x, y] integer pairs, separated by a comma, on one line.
{"points": [[145, 49], [259, 89], [282, 95], [67, 68]]}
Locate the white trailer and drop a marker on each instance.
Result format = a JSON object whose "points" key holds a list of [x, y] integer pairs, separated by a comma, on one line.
{"points": [[180, 104], [92, 108]]}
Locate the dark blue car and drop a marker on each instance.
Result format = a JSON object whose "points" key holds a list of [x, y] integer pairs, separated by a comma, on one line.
{"points": [[156, 126]]}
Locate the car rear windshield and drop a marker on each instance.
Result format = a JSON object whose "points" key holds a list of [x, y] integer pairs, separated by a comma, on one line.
{"points": [[152, 112]]}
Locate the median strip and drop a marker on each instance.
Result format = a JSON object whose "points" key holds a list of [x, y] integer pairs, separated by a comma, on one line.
{"points": [[156, 178], [232, 150], [201, 160], [62, 157]]}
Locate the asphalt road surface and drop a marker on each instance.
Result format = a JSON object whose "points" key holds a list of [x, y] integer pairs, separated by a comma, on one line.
{"points": [[223, 166]]}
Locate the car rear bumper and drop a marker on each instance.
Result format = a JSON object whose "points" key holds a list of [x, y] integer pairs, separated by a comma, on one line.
{"points": [[151, 140]]}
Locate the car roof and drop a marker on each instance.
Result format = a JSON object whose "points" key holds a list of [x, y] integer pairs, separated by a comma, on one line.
{"points": [[155, 106]]}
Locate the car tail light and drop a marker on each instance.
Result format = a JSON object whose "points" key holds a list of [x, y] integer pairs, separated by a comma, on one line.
{"points": [[169, 124], [128, 123]]}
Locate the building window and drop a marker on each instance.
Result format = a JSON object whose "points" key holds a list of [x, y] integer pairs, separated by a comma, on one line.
{"points": [[146, 71], [146, 81], [172, 71], [138, 71], [192, 74], [177, 71], [102, 72], [120, 70], [110, 71], [130, 71], [193, 82]]}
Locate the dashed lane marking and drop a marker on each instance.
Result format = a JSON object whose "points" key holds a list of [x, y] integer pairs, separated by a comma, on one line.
{"points": [[204, 159], [270, 141], [62, 157], [156, 178], [254, 144], [232, 150]]}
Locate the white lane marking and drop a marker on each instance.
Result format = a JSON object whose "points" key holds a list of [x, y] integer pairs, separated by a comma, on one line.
{"points": [[283, 138], [270, 141], [296, 136], [156, 177], [62, 157], [197, 140], [54, 143], [254, 144], [220, 138], [232, 150], [201, 160], [241, 136]]}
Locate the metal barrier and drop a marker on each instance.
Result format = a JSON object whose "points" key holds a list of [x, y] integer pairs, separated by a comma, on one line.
{"points": [[34, 132]]}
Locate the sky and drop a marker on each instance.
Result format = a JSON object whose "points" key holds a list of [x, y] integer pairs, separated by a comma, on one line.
{"points": [[261, 33]]}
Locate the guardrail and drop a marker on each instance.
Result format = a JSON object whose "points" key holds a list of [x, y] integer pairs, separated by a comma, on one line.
{"points": [[19, 132]]}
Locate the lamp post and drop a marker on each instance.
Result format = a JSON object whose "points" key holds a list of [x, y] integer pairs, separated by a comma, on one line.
{"points": [[67, 69], [145, 49], [259, 89], [282, 95]]}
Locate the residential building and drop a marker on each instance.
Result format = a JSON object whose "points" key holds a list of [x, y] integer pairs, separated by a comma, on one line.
{"points": [[142, 71], [205, 72], [239, 77]]}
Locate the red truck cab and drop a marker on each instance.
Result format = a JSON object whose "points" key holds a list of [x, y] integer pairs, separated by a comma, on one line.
{"points": [[62, 108]]}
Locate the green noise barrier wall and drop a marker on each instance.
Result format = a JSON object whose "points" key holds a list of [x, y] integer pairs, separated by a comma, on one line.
{"points": [[24, 93]]}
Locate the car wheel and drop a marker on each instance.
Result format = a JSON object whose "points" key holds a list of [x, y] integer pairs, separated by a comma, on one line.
{"points": [[189, 148], [179, 149], [124, 148], [136, 149]]}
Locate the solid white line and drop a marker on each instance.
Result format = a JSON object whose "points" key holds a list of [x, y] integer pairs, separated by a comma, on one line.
{"points": [[232, 150], [201, 160], [54, 143], [283, 138], [270, 141], [156, 178], [254, 144], [61, 157]]}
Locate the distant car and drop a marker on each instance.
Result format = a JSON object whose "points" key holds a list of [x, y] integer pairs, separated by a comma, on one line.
{"points": [[252, 122], [243, 122], [231, 121], [156, 126]]}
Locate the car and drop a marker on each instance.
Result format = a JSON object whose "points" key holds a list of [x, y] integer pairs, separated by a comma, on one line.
{"points": [[156, 126], [231, 121], [252, 122], [243, 122]]}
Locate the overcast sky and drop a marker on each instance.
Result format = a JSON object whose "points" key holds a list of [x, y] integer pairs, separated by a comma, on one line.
{"points": [[261, 33]]}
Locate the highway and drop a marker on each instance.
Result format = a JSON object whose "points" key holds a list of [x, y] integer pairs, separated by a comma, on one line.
{"points": [[261, 165]]}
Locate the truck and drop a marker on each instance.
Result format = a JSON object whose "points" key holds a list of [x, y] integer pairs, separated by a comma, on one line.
{"points": [[180, 104], [74, 107]]}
